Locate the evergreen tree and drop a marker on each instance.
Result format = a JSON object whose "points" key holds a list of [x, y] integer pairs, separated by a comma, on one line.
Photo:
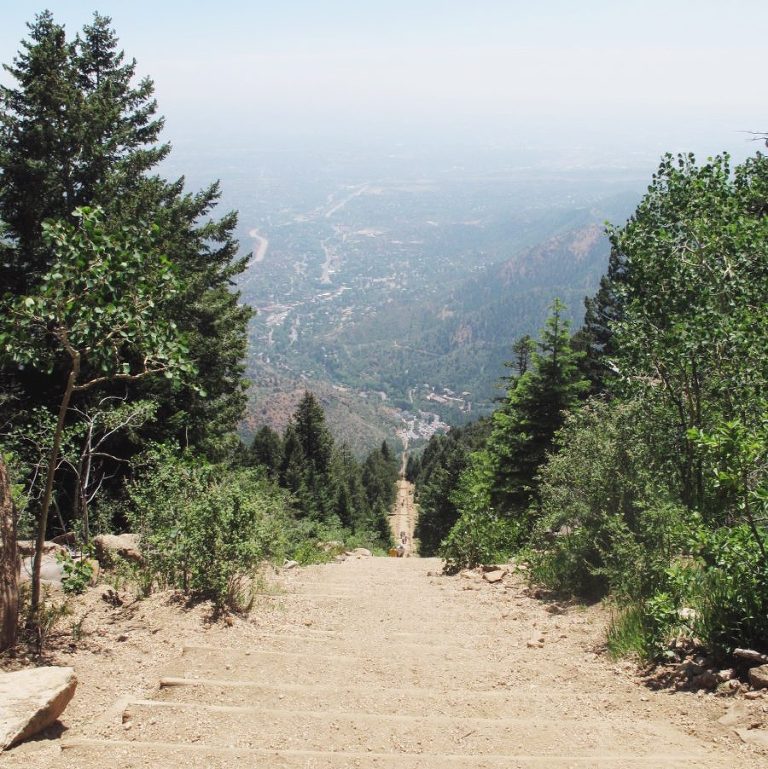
{"points": [[266, 450], [76, 130], [525, 425], [601, 314]]}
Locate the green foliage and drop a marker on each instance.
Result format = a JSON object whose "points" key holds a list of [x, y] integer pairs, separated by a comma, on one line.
{"points": [[103, 303], [78, 573], [204, 529], [606, 519], [729, 589], [493, 494], [77, 130], [480, 535], [661, 496], [525, 425], [444, 459]]}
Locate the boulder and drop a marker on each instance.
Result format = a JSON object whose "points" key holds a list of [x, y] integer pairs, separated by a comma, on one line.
{"points": [[758, 677], [51, 570], [360, 551], [26, 548], [706, 680], [31, 700], [107, 546]]}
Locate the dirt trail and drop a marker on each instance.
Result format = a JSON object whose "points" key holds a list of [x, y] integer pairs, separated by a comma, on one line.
{"points": [[402, 519], [378, 663]]}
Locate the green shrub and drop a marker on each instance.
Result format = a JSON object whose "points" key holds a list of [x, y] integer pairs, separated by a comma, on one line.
{"points": [[729, 590], [77, 573], [205, 528], [606, 520], [479, 538]]}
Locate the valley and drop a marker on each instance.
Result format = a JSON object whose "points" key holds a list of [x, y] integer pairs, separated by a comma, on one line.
{"points": [[393, 287]]}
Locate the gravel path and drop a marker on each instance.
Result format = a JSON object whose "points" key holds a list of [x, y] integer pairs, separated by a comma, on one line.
{"points": [[377, 662]]}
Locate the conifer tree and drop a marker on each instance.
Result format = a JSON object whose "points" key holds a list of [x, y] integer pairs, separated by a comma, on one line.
{"points": [[266, 450], [525, 425], [76, 129]]}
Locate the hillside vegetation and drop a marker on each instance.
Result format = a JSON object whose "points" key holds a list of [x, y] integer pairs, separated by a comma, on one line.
{"points": [[629, 460]]}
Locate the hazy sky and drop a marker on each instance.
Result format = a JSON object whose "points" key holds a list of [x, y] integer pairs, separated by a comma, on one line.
{"points": [[648, 75]]}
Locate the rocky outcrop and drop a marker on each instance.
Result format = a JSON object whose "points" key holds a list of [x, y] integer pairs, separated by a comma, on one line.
{"points": [[31, 700]]}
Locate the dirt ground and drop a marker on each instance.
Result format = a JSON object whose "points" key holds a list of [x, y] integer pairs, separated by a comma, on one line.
{"points": [[373, 662]]}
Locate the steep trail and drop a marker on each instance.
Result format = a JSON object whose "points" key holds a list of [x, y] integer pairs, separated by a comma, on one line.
{"points": [[402, 519], [377, 663]]}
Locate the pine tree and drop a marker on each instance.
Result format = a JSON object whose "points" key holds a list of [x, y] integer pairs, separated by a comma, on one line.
{"points": [[76, 130], [602, 312], [266, 450], [525, 425]]}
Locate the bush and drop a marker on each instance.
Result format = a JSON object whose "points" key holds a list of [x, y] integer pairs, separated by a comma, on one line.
{"points": [[479, 538], [606, 520], [205, 528], [729, 590]]}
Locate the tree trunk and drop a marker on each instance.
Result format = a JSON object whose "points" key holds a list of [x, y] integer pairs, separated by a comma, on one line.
{"points": [[9, 566], [42, 523]]}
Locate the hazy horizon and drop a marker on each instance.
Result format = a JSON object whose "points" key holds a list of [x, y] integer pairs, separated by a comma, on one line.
{"points": [[597, 80]]}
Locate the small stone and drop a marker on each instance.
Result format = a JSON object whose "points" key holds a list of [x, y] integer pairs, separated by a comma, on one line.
{"points": [[290, 564], [533, 644], [726, 675], [122, 637], [494, 576], [728, 688], [755, 695], [362, 551]]}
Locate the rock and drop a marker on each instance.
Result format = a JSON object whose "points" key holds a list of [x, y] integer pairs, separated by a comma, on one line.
{"points": [[363, 551], [758, 677], [340, 558], [290, 564], [535, 644], [706, 680], [26, 548], [728, 688], [753, 736], [31, 700], [51, 570], [750, 655], [494, 576], [107, 546], [726, 675]]}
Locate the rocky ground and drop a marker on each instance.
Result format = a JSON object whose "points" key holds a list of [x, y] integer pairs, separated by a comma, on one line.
{"points": [[374, 662]]}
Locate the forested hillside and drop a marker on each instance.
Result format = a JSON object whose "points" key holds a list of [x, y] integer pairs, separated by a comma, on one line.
{"points": [[628, 460]]}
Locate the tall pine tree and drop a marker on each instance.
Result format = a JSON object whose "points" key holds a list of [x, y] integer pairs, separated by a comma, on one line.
{"points": [[525, 425], [76, 129]]}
